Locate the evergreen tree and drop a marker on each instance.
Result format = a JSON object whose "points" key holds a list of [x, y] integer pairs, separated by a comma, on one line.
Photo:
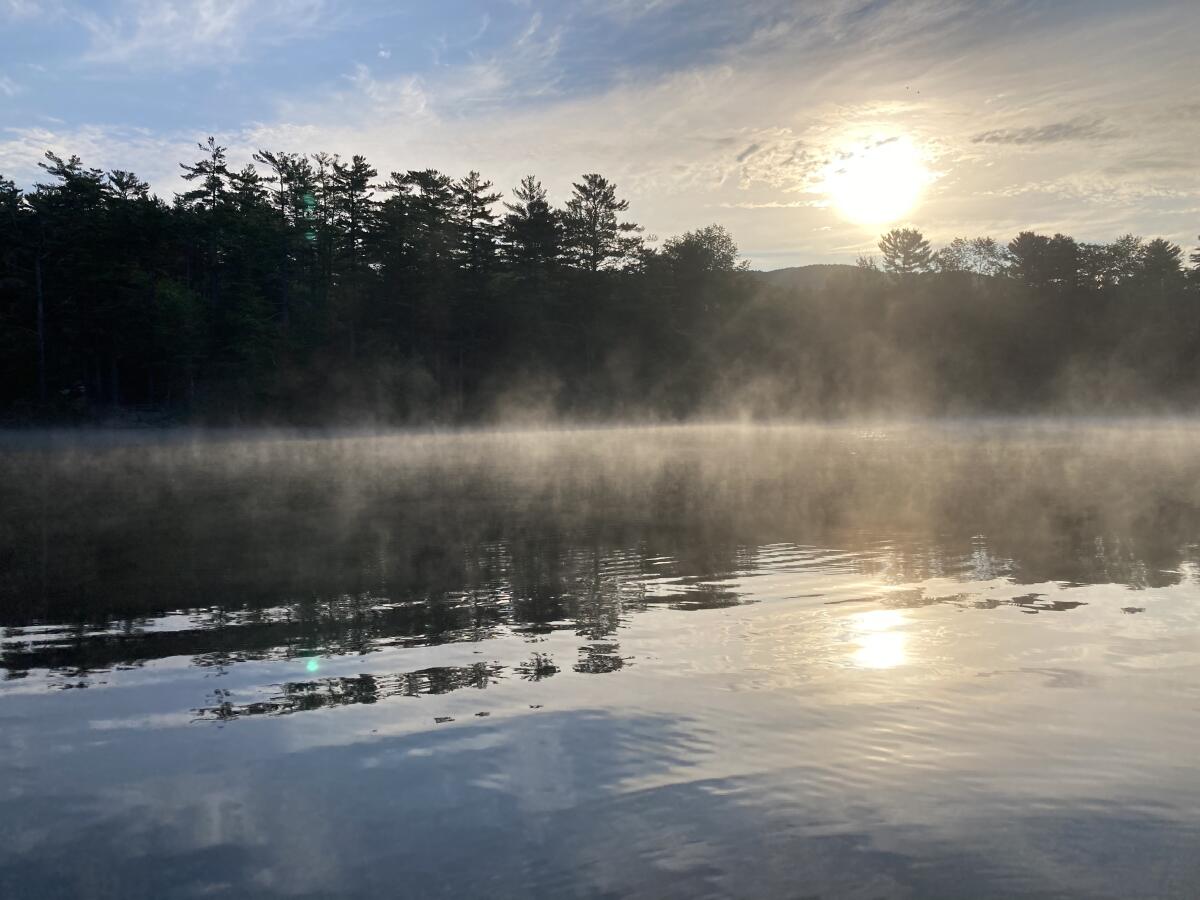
{"points": [[22, 313], [212, 173], [1063, 261], [594, 237], [477, 227], [1161, 264], [905, 252], [1028, 255], [69, 213], [531, 236]]}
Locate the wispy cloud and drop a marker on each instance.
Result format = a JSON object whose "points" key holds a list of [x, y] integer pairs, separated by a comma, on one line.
{"points": [[171, 33], [153, 156], [777, 204], [1079, 129], [29, 9], [8, 87]]}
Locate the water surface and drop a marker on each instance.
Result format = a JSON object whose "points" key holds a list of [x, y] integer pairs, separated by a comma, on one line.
{"points": [[939, 661]]}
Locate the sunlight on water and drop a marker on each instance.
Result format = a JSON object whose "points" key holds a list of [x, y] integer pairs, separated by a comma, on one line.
{"points": [[879, 646]]}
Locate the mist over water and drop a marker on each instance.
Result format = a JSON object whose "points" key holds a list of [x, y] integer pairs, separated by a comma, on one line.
{"points": [[942, 659]]}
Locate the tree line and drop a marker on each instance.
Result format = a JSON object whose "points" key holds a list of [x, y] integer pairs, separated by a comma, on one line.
{"points": [[311, 289], [1039, 260]]}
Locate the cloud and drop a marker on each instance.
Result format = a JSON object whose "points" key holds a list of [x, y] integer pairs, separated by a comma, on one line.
{"points": [[1079, 129], [778, 204], [8, 87], [153, 156], [627, 12], [29, 9], [748, 152], [172, 33], [404, 97], [781, 159]]}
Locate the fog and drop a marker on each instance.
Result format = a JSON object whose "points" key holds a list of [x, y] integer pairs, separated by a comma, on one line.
{"points": [[104, 524]]}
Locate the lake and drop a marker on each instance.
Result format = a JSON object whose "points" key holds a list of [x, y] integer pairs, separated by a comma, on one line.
{"points": [[958, 659]]}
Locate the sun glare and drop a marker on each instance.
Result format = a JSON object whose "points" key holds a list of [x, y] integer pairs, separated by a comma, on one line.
{"points": [[877, 645], [878, 182]]}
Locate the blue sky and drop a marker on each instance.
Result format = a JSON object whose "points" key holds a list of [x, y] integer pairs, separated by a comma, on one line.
{"points": [[1073, 115]]}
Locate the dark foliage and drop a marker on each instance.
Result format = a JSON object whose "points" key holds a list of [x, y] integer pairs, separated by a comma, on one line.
{"points": [[314, 292]]}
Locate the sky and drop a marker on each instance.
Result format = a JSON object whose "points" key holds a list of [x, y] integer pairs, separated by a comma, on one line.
{"points": [[974, 118]]}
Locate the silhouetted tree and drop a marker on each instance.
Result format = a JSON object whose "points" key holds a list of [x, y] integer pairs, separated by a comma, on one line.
{"points": [[1063, 262], [981, 256], [531, 236], [477, 228], [1107, 265], [905, 251], [351, 222], [211, 172], [1028, 255], [1161, 264], [595, 238], [708, 249]]}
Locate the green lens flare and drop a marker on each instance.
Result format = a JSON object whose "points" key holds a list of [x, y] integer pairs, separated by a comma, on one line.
{"points": [[312, 665]]}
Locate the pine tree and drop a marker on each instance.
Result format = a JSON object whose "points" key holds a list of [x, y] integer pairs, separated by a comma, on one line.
{"points": [[594, 236], [532, 234], [1028, 258], [212, 173], [905, 252], [477, 228], [1161, 263]]}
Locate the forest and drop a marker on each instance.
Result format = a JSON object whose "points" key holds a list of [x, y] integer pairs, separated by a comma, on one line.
{"points": [[311, 290]]}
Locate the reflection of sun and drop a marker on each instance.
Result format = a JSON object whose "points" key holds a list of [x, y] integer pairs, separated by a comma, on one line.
{"points": [[879, 647], [877, 182], [882, 650]]}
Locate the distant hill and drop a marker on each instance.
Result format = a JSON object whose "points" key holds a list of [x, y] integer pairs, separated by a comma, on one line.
{"points": [[813, 277]]}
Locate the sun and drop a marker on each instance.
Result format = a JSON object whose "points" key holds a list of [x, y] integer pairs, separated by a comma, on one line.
{"points": [[876, 182]]}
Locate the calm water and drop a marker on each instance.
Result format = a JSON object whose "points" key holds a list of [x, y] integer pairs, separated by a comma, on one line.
{"points": [[952, 661]]}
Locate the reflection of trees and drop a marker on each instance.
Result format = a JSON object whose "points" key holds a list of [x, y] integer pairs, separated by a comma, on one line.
{"points": [[302, 696], [344, 625], [1030, 603], [448, 539], [538, 598], [1070, 553], [598, 659], [594, 599], [539, 666]]}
